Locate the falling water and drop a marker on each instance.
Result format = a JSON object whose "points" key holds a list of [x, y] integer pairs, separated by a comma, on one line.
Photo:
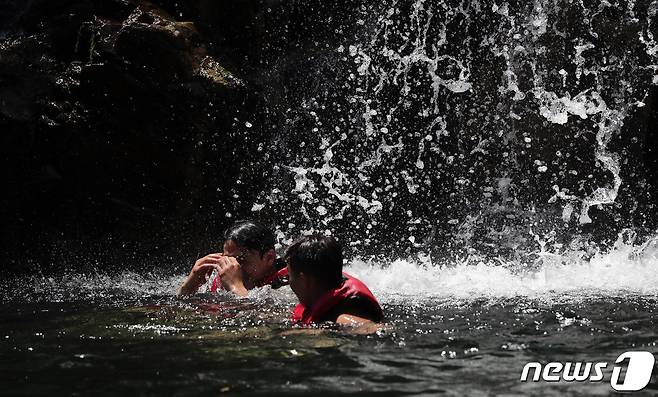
{"points": [[470, 128]]}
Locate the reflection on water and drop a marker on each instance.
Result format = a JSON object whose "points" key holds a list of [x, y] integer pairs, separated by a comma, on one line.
{"points": [[456, 347]]}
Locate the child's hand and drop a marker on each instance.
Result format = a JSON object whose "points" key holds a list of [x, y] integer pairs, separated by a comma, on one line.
{"points": [[230, 273], [199, 274]]}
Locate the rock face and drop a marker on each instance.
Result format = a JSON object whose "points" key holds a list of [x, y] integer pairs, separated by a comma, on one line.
{"points": [[132, 128], [107, 111]]}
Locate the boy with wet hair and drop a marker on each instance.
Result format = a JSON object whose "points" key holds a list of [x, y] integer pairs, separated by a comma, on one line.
{"points": [[248, 261], [325, 293]]}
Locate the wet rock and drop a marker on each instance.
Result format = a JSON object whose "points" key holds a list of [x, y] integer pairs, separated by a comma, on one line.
{"points": [[109, 112]]}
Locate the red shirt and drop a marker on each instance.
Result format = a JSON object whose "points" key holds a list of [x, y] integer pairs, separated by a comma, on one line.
{"points": [[350, 295]]}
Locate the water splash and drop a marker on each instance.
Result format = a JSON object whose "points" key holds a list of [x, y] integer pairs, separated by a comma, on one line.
{"points": [[627, 268], [555, 277], [435, 103]]}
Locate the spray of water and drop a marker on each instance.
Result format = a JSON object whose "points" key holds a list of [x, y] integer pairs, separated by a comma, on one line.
{"points": [[627, 268], [468, 127]]}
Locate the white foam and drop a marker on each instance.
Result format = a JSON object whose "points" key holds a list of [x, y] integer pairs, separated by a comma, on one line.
{"points": [[624, 269], [93, 286]]}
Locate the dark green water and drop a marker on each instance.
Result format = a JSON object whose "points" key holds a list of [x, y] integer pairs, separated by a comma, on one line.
{"points": [[72, 338]]}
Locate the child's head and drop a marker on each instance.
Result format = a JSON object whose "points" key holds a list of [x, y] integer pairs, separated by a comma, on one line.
{"points": [[315, 265], [252, 244]]}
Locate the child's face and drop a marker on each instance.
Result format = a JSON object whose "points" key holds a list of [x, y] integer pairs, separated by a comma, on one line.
{"points": [[254, 265], [298, 284]]}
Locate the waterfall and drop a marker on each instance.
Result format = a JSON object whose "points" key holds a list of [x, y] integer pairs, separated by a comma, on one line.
{"points": [[468, 127]]}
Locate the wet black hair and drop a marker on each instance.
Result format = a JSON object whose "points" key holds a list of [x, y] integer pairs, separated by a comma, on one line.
{"points": [[251, 235], [319, 256]]}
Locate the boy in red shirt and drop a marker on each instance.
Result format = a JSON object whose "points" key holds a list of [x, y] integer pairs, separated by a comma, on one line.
{"points": [[325, 293]]}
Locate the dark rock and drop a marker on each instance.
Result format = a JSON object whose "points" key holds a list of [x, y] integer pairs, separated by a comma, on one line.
{"points": [[112, 115]]}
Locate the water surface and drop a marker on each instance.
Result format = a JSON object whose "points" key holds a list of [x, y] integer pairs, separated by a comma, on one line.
{"points": [[466, 330]]}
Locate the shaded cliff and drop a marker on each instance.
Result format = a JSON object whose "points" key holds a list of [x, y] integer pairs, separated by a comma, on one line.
{"points": [[118, 124]]}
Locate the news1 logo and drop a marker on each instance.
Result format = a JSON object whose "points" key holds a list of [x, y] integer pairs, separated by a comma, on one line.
{"points": [[639, 366]]}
